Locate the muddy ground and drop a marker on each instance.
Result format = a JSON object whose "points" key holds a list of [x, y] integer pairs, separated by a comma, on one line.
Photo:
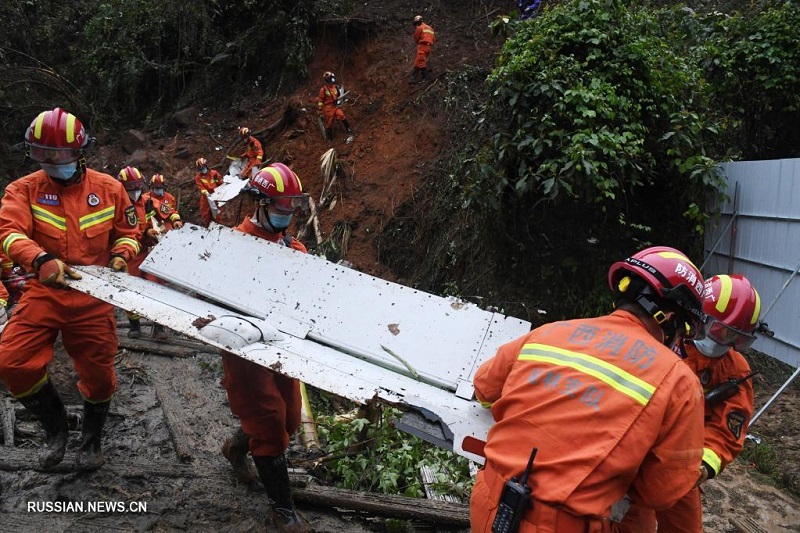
{"points": [[400, 134]]}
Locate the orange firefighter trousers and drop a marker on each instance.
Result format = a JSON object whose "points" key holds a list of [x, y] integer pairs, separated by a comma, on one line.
{"points": [[88, 332], [267, 403], [686, 516]]}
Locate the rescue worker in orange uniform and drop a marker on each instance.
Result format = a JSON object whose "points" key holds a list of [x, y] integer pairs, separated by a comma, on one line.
{"points": [[6, 267], [329, 106], [610, 408], [133, 181], [424, 36], [267, 403], [164, 203], [64, 214], [207, 180], [253, 153], [733, 308]]}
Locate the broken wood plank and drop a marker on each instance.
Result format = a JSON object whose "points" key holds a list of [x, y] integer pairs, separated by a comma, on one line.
{"points": [[387, 505], [307, 424], [174, 415], [428, 477], [747, 525], [9, 417]]}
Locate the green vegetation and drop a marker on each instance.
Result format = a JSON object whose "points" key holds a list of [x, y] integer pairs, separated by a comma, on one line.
{"points": [[374, 456]]}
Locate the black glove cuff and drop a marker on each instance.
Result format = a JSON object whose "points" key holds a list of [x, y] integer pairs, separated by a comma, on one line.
{"points": [[42, 259], [709, 469]]}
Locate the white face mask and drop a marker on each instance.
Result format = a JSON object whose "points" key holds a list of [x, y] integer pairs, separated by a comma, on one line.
{"points": [[134, 195], [60, 172], [710, 348]]}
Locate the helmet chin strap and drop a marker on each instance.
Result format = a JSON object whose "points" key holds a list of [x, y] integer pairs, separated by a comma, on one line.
{"points": [[668, 326]]}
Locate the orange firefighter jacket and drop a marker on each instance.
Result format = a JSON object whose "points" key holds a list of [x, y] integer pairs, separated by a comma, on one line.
{"points": [[328, 95], [253, 153], [164, 207], [6, 271], [610, 409], [144, 214], [424, 35], [208, 182], [81, 224], [725, 422]]}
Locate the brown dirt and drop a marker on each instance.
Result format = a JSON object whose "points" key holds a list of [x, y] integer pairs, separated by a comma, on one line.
{"points": [[398, 140]]}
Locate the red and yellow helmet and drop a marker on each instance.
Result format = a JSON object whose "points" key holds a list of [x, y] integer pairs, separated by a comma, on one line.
{"points": [[157, 181], [201, 162], [56, 137], [277, 185], [131, 178], [669, 276], [733, 307], [244, 131]]}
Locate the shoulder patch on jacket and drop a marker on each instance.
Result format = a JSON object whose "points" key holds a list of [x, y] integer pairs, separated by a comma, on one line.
{"points": [[736, 423], [130, 216]]}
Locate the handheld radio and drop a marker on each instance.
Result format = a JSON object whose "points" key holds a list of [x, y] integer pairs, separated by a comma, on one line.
{"points": [[515, 501]]}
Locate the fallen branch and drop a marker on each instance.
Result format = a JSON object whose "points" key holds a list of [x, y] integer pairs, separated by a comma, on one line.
{"points": [[155, 347], [387, 505]]}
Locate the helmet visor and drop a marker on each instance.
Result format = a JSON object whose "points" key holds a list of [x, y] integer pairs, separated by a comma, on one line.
{"points": [[727, 335], [52, 156], [288, 204]]}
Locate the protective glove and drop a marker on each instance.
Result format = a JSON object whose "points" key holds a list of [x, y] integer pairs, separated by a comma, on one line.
{"points": [[52, 271], [177, 224], [204, 192], [703, 475], [118, 263], [152, 233], [3, 312]]}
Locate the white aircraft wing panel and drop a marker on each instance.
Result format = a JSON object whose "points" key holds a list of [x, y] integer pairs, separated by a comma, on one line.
{"points": [[438, 340]]}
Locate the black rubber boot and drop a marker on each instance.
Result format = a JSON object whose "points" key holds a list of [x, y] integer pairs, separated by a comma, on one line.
{"points": [[90, 456], [424, 74], [159, 333], [347, 127], [48, 408], [414, 75], [135, 332], [274, 473], [329, 134], [235, 451]]}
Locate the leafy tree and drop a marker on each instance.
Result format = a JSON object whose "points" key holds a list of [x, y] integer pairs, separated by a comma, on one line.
{"points": [[753, 67], [589, 105]]}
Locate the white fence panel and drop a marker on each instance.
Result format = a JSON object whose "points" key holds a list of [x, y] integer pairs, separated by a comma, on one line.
{"points": [[758, 235]]}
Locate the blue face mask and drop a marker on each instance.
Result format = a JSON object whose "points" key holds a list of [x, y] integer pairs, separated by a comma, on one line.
{"points": [[61, 172], [158, 192], [134, 195], [710, 348], [279, 222]]}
